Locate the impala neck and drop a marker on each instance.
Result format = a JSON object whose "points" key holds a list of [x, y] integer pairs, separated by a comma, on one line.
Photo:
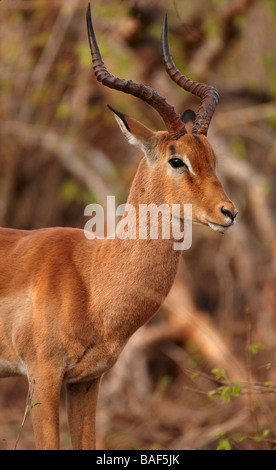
{"points": [[149, 265], [147, 190]]}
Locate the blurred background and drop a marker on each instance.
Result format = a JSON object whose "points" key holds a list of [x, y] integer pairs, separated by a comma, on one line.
{"points": [[202, 373]]}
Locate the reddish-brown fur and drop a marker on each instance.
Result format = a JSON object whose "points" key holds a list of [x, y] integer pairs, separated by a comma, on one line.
{"points": [[68, 305]]}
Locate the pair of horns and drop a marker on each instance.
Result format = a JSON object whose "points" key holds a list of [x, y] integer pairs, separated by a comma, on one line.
{"points": [[208, 94]]}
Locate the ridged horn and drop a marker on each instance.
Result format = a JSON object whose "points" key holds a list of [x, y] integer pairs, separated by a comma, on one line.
{"points": [[208, 94], [167, 112]]}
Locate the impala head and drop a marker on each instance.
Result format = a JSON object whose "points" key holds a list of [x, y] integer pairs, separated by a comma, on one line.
{"points": [[180, 161]]}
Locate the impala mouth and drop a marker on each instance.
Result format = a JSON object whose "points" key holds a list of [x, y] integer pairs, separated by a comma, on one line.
{"points": [[220, 227]]}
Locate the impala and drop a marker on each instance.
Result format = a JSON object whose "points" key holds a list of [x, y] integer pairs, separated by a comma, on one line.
{"points": [[68, 305]]}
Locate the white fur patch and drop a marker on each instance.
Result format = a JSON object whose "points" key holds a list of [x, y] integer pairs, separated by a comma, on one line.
{"points": [[8, 368], [130, 137], [218, 228], [188, 163]]}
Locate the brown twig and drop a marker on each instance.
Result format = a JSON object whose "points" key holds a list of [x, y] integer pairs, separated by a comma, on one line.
{"points": [[27, 409]]}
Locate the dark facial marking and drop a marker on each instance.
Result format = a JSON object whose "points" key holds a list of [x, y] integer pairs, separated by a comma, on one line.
{"points": [[172, 149], [197, 139]]}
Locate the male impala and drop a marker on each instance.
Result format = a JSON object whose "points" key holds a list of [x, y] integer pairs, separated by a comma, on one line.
{"points": [[68, 305]]}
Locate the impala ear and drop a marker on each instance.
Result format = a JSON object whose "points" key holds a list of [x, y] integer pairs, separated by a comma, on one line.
{"points": [[188, 118], [137, 134]]}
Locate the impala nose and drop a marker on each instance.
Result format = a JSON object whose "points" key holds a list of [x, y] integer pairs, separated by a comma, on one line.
{"points": [[229, 213]]}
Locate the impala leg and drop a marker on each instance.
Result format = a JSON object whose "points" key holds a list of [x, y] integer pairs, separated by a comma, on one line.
{"points": [[81, 409], [44, 396]]}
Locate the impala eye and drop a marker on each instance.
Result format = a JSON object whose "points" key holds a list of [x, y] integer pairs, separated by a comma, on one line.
{"points": [[177, 163]]}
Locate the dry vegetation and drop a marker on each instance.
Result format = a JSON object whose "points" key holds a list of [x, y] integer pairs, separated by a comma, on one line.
{"points": [[60, 149]]}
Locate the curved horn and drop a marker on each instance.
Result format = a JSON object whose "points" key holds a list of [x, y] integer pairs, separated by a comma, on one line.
{"points": [[149, 95], [208, 94]]}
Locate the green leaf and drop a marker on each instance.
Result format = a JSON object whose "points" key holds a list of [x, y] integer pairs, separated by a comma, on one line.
{"points": [[269, 384], [254, 348], [220, 374], [237, 389], [35, 404], [266, 432], [226, 393], [224, 444], [32, 405]]}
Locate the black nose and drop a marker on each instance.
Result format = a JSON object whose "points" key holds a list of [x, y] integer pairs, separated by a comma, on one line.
{"points": [[228, 213]]}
